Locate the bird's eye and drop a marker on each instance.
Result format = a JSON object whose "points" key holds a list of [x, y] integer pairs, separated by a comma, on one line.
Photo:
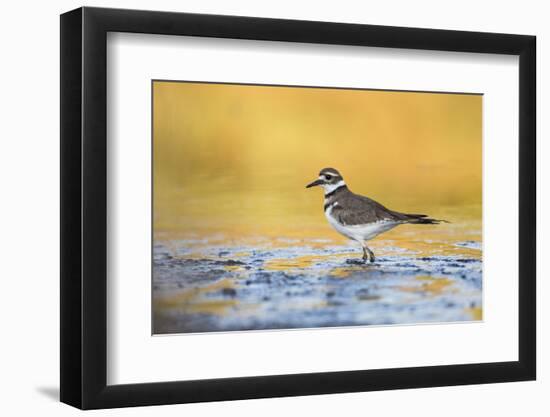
{"points": [[328, 177]]}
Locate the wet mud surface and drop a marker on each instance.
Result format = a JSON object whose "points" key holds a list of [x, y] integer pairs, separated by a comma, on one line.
{"points": [[212, 283]]}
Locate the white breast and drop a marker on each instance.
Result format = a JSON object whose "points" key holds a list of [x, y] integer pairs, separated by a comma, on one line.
{"points": [[360, 232]]}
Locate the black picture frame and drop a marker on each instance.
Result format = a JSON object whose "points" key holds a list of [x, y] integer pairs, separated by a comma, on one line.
{"points": [[84, 207]]}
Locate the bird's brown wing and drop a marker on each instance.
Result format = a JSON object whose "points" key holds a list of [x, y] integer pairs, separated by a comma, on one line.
{"points": [[357, 209]]}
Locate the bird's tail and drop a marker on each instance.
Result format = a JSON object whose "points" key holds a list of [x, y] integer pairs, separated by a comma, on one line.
{"points": [[421, 219]]}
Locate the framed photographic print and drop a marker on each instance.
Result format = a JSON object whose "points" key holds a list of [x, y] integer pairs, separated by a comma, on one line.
{"points": [[258, 207]]}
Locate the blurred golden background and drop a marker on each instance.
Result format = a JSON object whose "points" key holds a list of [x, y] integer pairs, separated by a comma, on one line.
{"points": [[236, 158]]}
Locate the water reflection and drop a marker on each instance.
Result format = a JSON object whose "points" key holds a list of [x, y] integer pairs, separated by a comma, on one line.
{"points": [[222, 282]]}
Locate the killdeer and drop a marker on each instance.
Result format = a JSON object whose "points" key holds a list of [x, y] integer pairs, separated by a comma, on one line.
{"points": [[358, 217]]}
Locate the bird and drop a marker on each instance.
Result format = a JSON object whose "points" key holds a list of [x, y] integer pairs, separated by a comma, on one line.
{"points": [[358, 217]]}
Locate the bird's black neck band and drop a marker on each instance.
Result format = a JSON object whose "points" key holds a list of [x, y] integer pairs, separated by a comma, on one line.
{"points": [[335, 190]]}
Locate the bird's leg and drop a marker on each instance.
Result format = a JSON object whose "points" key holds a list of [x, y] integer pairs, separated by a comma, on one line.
{"points": [[365, 255], [368, 255], [371, 255]]}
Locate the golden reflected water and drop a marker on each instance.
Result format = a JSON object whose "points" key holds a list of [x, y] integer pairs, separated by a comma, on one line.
{"points": [[238, 157]]}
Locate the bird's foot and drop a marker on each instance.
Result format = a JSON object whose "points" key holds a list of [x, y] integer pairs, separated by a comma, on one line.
{"points": [[365, 260], [357, 261]]}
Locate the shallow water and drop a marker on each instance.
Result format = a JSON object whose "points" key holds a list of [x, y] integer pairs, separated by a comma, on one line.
{"points": [[205, 282]]}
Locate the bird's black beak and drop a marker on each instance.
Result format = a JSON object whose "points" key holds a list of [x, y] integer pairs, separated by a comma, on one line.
{"points": [[314, 183]]}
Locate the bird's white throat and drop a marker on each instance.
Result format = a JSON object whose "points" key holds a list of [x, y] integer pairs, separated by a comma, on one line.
{"points": [[329, 188]]}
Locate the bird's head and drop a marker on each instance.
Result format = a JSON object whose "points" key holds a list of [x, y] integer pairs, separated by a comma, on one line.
{"points": [[329, 178]]}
